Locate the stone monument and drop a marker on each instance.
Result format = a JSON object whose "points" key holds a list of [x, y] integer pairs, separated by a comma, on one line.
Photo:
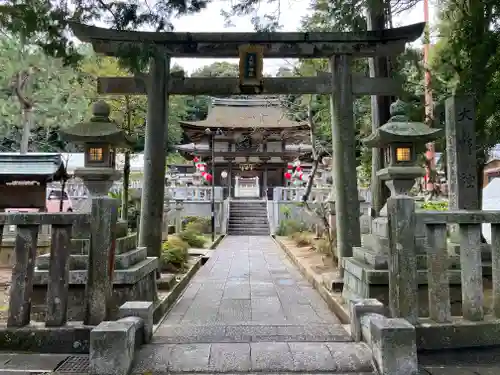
{"points": [[128, 269]]}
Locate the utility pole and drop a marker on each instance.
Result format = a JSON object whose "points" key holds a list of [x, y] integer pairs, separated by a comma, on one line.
{"points": [[429, 105]]}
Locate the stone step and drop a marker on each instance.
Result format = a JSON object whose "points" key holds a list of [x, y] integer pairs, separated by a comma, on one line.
{"points": [[248, 214], [79, 261], [248, 233], [248, 225], [248, 331], [270, 357], [248, 219], [249, 210]]}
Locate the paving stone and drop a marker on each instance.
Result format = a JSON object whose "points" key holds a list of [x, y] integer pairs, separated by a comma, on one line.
{"points": [[189, 357], [274, 356], [230, 357], [234, 310], [311, 357]]}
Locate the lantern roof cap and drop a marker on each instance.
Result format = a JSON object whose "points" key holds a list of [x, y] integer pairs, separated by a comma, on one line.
{"points": [[100, 128], [400, 130]]}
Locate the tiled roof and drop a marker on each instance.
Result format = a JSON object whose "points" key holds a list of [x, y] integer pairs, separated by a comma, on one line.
{"points": [[244, 113], [193, 147], [39, 167]]}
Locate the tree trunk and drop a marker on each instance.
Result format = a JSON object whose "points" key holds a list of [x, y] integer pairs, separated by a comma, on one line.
{"points": [[126, 182], [25, 139]]}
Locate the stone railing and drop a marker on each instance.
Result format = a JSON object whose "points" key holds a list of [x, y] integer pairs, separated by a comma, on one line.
{"points": [[469, 224], [194, 193], [294, 194], [21, 290], [77, 191], [320, 194]]}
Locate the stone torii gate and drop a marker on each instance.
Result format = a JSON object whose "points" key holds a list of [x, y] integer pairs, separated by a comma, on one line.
{"points": [[339, 83]]}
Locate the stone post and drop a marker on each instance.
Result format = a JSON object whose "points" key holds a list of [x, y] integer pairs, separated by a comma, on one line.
{"points": [[178, 215], [403, 288], [344, 156], [153, 189], [99, 288], [461, 156]]}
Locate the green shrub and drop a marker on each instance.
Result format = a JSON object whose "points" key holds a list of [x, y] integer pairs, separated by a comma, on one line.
{"points": [[197, 223], [302, 238], [435, 206], [288, 226], [174, 254], [323, 246], [192, 238]]}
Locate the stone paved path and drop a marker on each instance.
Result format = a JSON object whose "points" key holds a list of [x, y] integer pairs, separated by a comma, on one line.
{"points": [[247, 310]]}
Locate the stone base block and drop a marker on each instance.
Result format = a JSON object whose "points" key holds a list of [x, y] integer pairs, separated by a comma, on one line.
{"points": [[143, 310], [112, 346], [459, 333], [363, 281], [123, 260], [135, 284], [394, 346]]}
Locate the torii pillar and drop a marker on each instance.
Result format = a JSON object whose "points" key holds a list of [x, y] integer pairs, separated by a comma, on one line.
{"points": [[153, 187]]}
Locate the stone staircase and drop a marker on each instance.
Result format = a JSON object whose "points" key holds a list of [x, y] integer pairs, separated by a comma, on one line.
{"points": [[248, 218]]}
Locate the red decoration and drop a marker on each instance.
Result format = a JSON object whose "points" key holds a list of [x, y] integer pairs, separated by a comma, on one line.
{"points": [[288, 176], [300, 177], [298, 168], [208, 177], [196, 160]]}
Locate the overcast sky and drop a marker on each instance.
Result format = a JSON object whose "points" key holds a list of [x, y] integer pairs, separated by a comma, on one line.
{"points": [[291, 12]]}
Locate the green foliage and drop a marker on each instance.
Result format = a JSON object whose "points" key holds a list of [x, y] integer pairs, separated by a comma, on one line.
{"points": [[286, 212], [57, 95], [200, 221], [287, 227], [323, 246], [174, 254], [200, 225], [302, 239], [194, 239], [435, 206]]}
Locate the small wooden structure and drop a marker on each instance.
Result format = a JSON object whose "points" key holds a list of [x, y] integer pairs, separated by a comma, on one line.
{"points": [[24, 178]]}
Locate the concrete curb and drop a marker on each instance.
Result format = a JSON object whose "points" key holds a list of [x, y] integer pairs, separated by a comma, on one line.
{"points": [[162, 308], [217, 242], [167, 302], [330, 300]]}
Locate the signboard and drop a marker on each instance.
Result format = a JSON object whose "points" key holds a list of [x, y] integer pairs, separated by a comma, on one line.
{"points": [[251, 65]]}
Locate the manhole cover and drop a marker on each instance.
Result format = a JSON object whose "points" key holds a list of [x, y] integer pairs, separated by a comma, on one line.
{"points": [[74, 363]]}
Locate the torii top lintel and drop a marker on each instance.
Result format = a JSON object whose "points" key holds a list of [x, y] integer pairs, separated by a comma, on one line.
{"points": [[276, 44]]}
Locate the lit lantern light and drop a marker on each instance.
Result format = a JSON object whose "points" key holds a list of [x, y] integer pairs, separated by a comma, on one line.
{"points": [[403, 154]]}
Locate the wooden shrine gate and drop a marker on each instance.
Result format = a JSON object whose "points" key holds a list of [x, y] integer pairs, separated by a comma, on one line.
{"points": [[339, 83]]}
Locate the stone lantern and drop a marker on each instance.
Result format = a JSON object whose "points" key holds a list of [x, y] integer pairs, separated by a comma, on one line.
{"points": [[100, 137], [400, 138]]}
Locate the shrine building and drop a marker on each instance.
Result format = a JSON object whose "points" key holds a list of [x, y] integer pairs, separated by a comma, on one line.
{"points": [[253, 141]]}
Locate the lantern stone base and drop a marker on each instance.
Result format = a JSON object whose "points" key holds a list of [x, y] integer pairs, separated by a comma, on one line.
{"points": [[363, 281], [137, 283], [366, 272], [134, 276]]}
